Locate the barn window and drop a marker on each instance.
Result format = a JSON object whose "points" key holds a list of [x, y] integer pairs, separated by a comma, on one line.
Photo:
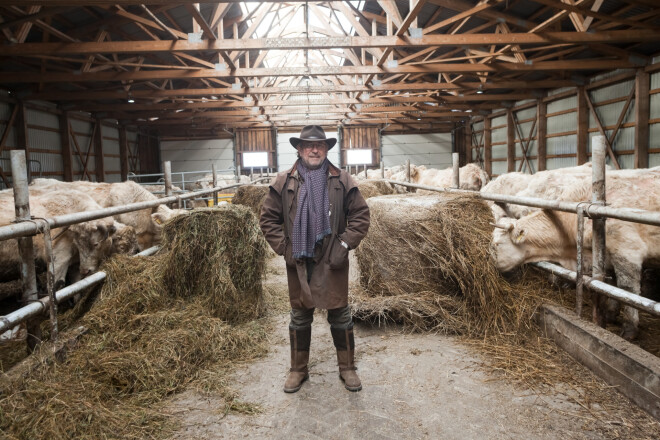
{"points": [[359, 157], [255, 159]]}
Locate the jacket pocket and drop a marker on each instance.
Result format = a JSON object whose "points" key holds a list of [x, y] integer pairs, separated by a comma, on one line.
{"points": [[337, 254], [288, 254]]}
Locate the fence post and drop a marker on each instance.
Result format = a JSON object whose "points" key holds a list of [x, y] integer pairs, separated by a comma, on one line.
{"points": [[408, 170], [215, 184], [598, 197], [382, 169], [579, 281], [455, 172], [26, 251]]}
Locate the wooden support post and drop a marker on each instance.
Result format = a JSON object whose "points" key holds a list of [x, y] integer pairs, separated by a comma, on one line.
{"points": [[488, 147], [541, 132], [510, 142], [642, 110], [65, 139], [99, 166], [582, 126], [123, 153]]}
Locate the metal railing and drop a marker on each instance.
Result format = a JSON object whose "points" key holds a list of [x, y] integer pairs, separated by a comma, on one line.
{"points": [[596, 210], [26, 227]]}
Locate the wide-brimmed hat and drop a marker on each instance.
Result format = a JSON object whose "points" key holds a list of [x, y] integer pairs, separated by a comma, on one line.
{"points": [[312, 133]]}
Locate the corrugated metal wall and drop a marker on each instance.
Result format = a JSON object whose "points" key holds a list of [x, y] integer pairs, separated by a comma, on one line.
{"points": [[562, 124], [609, 113], [432, 149], [654, 121], [561, 138], [498, 136], [198, 155], [44, 141]]}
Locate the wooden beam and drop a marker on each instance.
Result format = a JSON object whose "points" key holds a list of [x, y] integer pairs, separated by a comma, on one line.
{"points": [[542, 131], [349, 42], [59, 77], [421, 86], [510, 141], [99, 162], [488, 146], [197, 16], [65, 140], [582, 126], [642, 111]]}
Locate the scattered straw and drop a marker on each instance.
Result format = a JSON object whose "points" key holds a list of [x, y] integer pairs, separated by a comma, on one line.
{"points": [[153, 331]]}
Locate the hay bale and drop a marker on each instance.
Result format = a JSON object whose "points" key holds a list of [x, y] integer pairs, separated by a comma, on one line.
{"points": [[373, 188], [218, 253], [426, 262], [252, 196], [158, 325]]}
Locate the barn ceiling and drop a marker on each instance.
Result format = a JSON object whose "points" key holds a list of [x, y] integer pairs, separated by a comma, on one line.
{"points": [[196, 69]]}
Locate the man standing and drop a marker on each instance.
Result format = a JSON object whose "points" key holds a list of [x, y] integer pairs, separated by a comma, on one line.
{"points": [[313, 215]]}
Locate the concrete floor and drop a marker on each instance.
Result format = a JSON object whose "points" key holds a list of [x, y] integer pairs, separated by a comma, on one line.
{"points": [[414, 387]]}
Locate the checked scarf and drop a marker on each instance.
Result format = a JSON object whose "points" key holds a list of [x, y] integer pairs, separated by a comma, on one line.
{"points": [[312, 221]]}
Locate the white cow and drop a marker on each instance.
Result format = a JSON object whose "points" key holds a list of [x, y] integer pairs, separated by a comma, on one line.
{"points": [[89, 242], [471, 177], [551, 235], [147, 222]]}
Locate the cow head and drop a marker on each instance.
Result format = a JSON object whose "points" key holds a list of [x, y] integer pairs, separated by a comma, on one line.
{"points": [[508, 245], [93, 240], [160, 215], [124, 241]]}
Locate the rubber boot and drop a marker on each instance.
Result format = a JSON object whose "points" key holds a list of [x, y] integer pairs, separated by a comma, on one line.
{"points": [[345, 345], [300, 340]]}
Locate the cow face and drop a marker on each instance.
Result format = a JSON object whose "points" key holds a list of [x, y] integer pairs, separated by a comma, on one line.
{"points": [[124, 241], [93, 240], [508, 245]]}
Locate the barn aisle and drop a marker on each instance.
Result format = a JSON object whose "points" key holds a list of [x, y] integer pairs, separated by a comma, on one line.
{"points": [[415, 386]]}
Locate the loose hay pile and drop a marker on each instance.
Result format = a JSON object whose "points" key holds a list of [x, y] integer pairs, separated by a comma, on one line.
{"points": [[373, 188], [426, 263], [252, 196], [158, 325]]}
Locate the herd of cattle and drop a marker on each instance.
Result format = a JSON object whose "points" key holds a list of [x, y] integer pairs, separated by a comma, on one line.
{"points": [[520, 235], [523, 235]]}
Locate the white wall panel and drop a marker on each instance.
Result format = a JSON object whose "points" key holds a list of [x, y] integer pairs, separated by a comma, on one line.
{"points": [[198, 155], [432, 149], [499, 168], [287, 155], [561, 162]]}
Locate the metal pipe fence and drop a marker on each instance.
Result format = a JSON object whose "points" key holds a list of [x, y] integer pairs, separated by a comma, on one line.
{"points": [[597, 211], [26, 227]]}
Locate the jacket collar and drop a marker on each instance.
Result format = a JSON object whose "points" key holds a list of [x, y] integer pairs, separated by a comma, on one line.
{"points": [[332, 170]]}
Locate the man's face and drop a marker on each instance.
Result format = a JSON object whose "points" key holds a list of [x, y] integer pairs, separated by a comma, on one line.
{"points": [[312, 154]]}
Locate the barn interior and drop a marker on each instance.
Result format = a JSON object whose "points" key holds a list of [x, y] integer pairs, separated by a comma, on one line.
{"points": [[169, 93]]}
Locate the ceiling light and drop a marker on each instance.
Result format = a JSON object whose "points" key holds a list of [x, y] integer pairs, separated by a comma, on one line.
{"points": [[131, 100], [479, 92]]}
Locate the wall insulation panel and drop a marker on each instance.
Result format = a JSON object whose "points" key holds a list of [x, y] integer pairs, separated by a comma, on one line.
{"points": [[198, 155], [432, 149]]}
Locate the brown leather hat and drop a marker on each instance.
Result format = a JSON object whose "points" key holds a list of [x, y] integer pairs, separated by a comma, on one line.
{"points": [[312, 133]]}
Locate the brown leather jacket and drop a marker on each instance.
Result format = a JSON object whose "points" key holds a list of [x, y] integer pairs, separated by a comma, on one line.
{"points": [[349, 220]]}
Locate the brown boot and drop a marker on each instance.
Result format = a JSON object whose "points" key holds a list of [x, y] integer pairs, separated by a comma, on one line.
{"points": [[300, 340], [345, 345]]}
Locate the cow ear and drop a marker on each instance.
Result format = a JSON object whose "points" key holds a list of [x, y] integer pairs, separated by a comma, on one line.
{"points": [[519, 235], [158, 218]]}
